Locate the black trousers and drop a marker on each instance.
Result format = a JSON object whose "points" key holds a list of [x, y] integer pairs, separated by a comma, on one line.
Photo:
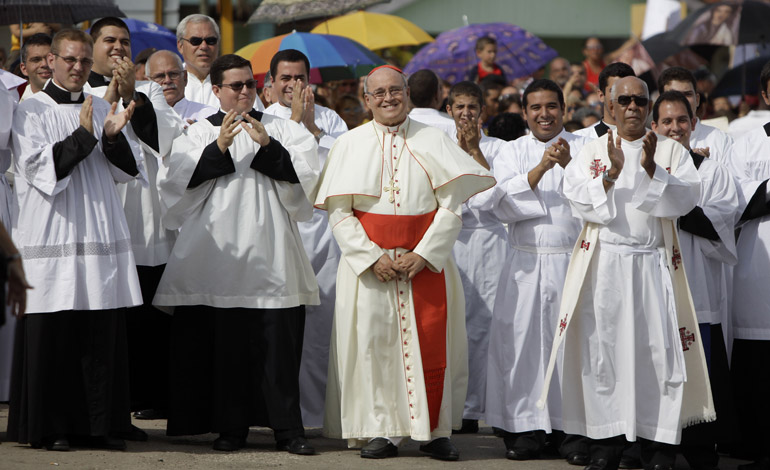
{"points": [[751, 381], [70, 376], [234, 368], [149, 335]]}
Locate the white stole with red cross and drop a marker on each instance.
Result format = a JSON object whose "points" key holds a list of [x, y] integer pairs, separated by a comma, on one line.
{"points": [[697, 402]]}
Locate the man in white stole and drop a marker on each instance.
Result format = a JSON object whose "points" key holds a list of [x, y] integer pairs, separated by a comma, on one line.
{"points": [[398, 364], [707, 241], [70, 377], [291, 69], [633, 363], [542, 232]]}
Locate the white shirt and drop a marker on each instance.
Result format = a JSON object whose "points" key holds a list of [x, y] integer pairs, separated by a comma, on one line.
{"points": [[719, 143], [435, 118], [193, 110], [755, 118]]}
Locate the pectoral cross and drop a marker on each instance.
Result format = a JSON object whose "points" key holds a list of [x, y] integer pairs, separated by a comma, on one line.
{"points": [[676, 259], [392, 190], [597, 168], [687, 338]]}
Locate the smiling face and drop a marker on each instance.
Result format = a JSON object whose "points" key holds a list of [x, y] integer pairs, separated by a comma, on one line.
{"points": [[630, 118], [70, 77], [390, 109], [544, 114], [239, 100], [113, 43], [36, 66], [674, 122], [286, 73]]}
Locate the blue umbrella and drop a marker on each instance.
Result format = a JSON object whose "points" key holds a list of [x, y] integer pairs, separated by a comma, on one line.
{"points": [[519, 53], [145, 35]]}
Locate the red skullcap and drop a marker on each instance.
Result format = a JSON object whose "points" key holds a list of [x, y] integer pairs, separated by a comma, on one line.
{"points": [[386, 66]]}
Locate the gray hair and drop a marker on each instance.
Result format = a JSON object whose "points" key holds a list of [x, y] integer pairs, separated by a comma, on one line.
{"points": [[196, 18], [614, 91], [366, 81], [177, 60], [268, 80]]}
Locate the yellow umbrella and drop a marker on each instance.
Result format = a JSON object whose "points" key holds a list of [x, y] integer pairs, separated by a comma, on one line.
{"points": [[375, 30]]}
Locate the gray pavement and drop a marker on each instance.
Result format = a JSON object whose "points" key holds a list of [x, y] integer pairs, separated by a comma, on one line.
{"points": [[477, 451]]}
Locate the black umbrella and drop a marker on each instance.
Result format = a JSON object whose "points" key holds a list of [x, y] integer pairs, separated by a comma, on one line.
{"points": [[744, 75], [56, 11]]}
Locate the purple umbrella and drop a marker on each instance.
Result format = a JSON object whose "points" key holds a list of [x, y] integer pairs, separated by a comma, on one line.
{"points": [[519, 53]]}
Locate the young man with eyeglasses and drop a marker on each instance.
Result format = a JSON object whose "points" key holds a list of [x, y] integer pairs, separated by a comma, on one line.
{"points": [[197, 39], [166, 69], [633, 364], [294, 100], [394, 189], [235, 185], [71, 381]]}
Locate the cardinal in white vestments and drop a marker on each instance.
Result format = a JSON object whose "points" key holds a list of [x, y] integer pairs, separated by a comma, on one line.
{"points": [[398, 365], [707, 242], [750, 163], [71, 377], [633, 365], [238, 274], [542, 233], [291, 69]]}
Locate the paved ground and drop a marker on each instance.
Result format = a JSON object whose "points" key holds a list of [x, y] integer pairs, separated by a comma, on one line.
{"points": [[477, 451]]}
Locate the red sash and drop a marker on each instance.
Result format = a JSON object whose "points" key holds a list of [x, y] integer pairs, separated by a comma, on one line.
{"points": [[428, 295]]}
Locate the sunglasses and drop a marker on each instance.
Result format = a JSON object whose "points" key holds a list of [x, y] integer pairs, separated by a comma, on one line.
{"points": [[625, 100], [238, 86], [197, 41]]}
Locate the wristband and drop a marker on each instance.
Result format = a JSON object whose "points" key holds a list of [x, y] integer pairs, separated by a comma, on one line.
{"points": [[606, 177]]}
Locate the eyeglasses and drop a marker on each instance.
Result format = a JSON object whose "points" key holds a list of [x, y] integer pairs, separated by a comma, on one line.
{"points": [[159, 77], [238, 86], [197, 41], [625, 100], [395, 92], [71, 61]]}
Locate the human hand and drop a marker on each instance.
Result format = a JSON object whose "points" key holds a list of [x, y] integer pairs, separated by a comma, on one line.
{"points": [[410, 264], [17, 288], [649, 144], [227, 132], [256, 131], [114, 123], [384, 269], [87, 115]]}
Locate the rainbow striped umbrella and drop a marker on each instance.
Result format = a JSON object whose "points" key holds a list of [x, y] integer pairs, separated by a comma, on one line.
{"points": [[331, 57]]}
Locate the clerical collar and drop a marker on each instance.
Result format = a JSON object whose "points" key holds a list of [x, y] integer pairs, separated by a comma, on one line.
{"points": [[601, 128], [767, 129], [697, 159], [62, 96], [390, 129], [216, 119], [96, 79]]}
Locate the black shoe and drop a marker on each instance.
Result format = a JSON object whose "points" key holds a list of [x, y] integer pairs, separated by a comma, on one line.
{"points": [[761, 464], [497, 432], [630, 462], [297, 445], [578, 458], [379, 448], [57, 443], [597, 464], [229, 442], [150, 414], [470, 426], [441, 449], [105, 442], [520, 454], [134, 434], [662, 467]]}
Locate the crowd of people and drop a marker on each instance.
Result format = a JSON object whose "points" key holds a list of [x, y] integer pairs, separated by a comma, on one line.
{"points": [[574, 260]]}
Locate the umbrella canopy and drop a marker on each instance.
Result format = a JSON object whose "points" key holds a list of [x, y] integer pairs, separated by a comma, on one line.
{"points": [[375, 30], [145, 35], [519, 53], [56, 11], [331, 57], [743, 79], [283, 11]]}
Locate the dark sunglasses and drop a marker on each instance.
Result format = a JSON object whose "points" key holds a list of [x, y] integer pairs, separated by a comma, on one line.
{"points": [[238, 86], [196, 41], [625, 100]]}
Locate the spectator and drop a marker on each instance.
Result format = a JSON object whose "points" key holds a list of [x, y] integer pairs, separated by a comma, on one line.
{"points": [[593, 63], [350, 110], [507, 126], [486, 51]]}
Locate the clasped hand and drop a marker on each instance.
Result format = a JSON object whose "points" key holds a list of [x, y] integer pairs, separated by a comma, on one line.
{"points": [[408, 264]]}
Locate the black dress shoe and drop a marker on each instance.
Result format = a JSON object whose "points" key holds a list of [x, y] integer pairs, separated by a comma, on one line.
{"points": [[629, 462], [597, 464], [134, 434], [761, 464], [379, 448], [105, 442], [520, 454], [229, 442], [57, 443], [470, 426], [298, 445], [578, 458], [441, 449], [150, 414]]}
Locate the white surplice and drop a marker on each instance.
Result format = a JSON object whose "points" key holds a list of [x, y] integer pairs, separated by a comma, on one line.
{"points": [[238, 245], [623, 365], [590, 131], [150, 241], [542, 232], [8, 103], [751, 164], [72, 233], [375, 385], [435, 118], [193, 110], [755, 118], [200, 91], [719, 143], [324, 256]]}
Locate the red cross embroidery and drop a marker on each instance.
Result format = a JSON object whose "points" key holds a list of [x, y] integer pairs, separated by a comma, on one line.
{"points": [[584, 245], [597, 168], [676, 259], [562, 324], [668, 169], [687, 338]]}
